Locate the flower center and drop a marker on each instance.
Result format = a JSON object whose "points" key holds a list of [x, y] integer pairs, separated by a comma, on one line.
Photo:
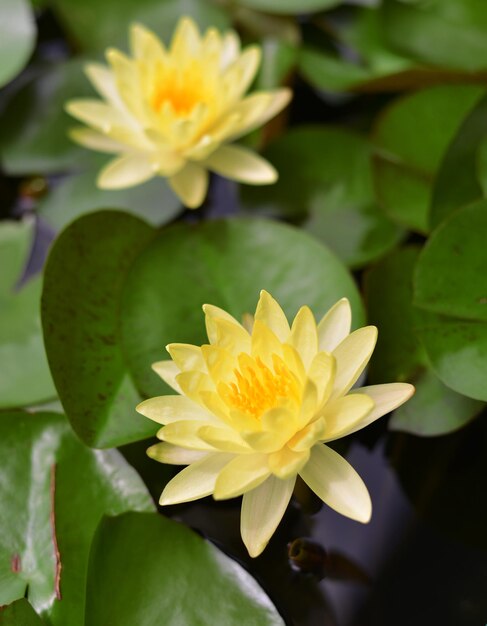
{"points": [[183, 89], [257, 388]]}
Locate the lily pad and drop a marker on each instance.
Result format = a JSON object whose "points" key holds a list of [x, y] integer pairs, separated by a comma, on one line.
{"points": [[54, 491], [160, 571], [225, 263], [25, 378], [325, 183], [81, 324], [411, 138], [19, 613], [17, 37]]}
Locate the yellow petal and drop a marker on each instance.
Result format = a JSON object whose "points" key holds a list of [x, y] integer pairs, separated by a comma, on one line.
{"points": [[335, 481], [242, 71], [186, 356], [144, 44], [308, 436], [309, 403], [190, 185], [125, 171], [278, 425], [294, 362], [220, 363], [174, 455], [167, 409], [256, 110], [223, 439], [286, 463], [98, 114], [192, 383], [386, 398], [229, 335], [94, 140], [343, 414], [230, 49], [334, 326], [103, 80], [212, 313], [127, 80], [322, 373], [262, 510], [195, 481], [304, 337], [352, 355], [244, 473], [240, 164], [168, 370], [184, 434], [270, 313], [186, 40], [265, 343]]}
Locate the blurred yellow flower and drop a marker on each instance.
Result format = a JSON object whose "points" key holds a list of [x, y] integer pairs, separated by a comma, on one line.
{"points": [[257, 408], [171, 112]]}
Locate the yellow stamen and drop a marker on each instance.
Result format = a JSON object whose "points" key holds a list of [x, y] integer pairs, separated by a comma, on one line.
{"points": [[257, 388]]}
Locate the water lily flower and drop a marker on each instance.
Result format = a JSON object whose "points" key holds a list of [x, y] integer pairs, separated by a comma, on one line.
{"points": [[172, 112], [258, 407]]}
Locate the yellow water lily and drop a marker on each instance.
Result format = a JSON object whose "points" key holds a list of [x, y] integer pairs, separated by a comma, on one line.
{"points": [[257, 407], [172, 112]]}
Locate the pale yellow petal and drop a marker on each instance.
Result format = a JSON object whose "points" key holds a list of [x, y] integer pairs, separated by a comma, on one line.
{"points": [[334, 326], [270, 313], [168, 370], [352, 355], [220, 363], [343, 414], [174, 455], [184, 434], [241, 164], [230, 49], [244, 473], [256, 110], [195, 481], [278, 426], [386, 398], [167, 409], [145, 45], [223, 438], [262, 510], [286, 463], [126, 171], [128, 84], [193, 382], [103, 80], [304, 337], [229, 335], [186, 41], [308, 436], [335, 481], [322, 373], [213, 312], [95, 140], [96, 113], [186, 356], [242, 71], [309, 403], [190, 185], [264, 343]]}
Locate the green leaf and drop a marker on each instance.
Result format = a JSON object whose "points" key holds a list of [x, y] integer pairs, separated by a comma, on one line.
{"points": [[451, 273], [98, 25], [457, 182], [435, 409], [34, 133], [25, 378], [411, 138], [325, 183], [290, 6], [154, 568], [81, 323], [54, 491], [388, 286], [451, 295], [225, 263], [78, 194], [19, 613], [426, 30], [17, 37]]}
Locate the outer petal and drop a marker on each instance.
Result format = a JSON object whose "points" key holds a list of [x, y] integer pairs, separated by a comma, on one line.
{"points": [[304, 336], [184, 434], [186, 356], [94, 140], [190, 185], [286, 463], [103, 80], [174, 455], [168, 409], [126, 171], [255, 110], [386, 398], [244, 473], [270, 313], [168, 370], [335, 326], [98, 114], [223, 439], [335, 481], [241, 164], [343, 414], [145, 44], [262, 510], [352, 355], [195, 481]]}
